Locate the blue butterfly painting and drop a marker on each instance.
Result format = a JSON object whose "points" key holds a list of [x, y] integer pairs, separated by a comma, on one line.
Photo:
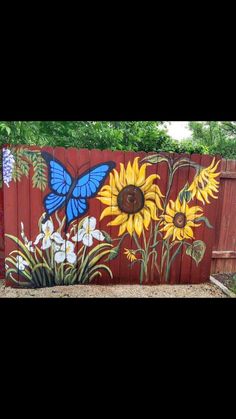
{"points": [[72, 193]]}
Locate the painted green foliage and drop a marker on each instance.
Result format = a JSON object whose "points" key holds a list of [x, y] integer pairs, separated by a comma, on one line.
{"points": [[17, 163]]}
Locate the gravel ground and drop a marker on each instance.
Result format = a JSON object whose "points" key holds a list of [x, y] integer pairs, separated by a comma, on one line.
{"points": [[116, 291]]}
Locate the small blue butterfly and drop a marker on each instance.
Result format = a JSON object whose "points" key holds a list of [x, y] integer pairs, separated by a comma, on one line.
{"points": [[72, 192]]}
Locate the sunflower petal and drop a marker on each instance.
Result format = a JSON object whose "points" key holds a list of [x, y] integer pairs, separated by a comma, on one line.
{"points": [[120, 219], [169, 232], [146, 218], [130, 174], [136, 169], [138, 223], [148, 183], [188, 232], [142, 175], [118, 183], [153, 209], [122, 229], [110, 211], [130, 225], [108, 201]]}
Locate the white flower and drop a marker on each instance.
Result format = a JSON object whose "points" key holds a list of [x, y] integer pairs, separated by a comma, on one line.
{"points": [[8, 162], [66, 252], [28, 244], [48, 235], [21, 263], [88, 232]]}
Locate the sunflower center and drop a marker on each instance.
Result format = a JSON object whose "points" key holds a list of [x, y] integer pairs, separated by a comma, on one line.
{"points": [[130, 199], [180, 220]]}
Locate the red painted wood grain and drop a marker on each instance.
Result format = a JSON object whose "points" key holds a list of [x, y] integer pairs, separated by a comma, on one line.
{"points": [[23, 203]]}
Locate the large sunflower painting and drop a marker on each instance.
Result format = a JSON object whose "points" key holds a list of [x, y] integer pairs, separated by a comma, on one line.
{"points": [[138, 207], [132, 197]]}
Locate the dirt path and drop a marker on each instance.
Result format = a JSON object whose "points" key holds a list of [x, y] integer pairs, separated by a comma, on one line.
{"points": [[117, 291]]}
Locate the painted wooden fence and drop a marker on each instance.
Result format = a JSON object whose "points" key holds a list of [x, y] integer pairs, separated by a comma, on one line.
{"points": [[224, 249], [79, 216]]}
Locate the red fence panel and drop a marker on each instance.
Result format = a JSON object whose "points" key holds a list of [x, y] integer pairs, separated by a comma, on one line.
{"points": [[224, 249], [107, 217]]}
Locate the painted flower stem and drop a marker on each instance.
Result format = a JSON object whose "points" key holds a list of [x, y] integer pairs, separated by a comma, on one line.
{"points": [[170, 261]]}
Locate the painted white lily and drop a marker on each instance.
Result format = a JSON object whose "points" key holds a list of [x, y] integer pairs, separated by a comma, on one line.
{"points": [[28, 244], [21, 263], [87, 233], [48, 235], [66, 252]]}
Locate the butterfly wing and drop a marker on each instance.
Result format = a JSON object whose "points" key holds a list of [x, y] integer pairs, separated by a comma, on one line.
{"points": [[59, 181], [75, 208], [53, 202], [88, 185]]}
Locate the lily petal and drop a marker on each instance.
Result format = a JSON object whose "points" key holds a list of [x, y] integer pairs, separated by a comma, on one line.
{"points": [[98, 235], [38, 238], [88, 240]]}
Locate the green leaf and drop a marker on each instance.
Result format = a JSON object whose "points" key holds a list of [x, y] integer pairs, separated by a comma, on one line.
{"points": [[113, 253], [184, 194], [107, 237], [155, 158], [205, 220], [196, 251]]}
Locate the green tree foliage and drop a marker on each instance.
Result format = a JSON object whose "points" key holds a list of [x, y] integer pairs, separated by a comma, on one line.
{"points": [[215, 137], [114, 135], [209, 137]]}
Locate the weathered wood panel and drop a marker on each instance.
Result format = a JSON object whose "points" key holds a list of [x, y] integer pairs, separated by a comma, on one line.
{"points": [[2, 273], [224, 249], [88, 216]]}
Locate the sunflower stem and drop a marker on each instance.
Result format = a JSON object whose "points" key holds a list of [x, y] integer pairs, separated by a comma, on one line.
{"points": [[170, 261]]}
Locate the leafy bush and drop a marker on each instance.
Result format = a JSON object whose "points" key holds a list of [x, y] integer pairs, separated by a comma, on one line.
{"points": [[207, 137]]}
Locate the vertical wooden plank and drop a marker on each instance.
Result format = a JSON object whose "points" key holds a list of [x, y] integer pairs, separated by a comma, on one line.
{"points": [[80, 167], [119, 264], [48, 277], [197, 231], [10, 222], [2, 263], [143, 238], [70, 155], [117, 157], [96, 158], [124, 270], [178, 182], [108, 155], [163, 171], [207, 234], [169, 195], [23, 212], [59, 154], [10, 225], [179, 268], [129, 158], [184, 274], [85, 165]]}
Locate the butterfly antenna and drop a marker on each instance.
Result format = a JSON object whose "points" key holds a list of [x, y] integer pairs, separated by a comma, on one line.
{"points": [[74, 171], [82, 165]]}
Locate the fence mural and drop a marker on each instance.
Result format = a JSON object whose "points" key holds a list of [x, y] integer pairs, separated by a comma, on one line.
{"points": [[78, 216]]}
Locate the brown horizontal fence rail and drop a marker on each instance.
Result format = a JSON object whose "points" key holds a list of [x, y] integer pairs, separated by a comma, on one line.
{"points": [[224, 248]]}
